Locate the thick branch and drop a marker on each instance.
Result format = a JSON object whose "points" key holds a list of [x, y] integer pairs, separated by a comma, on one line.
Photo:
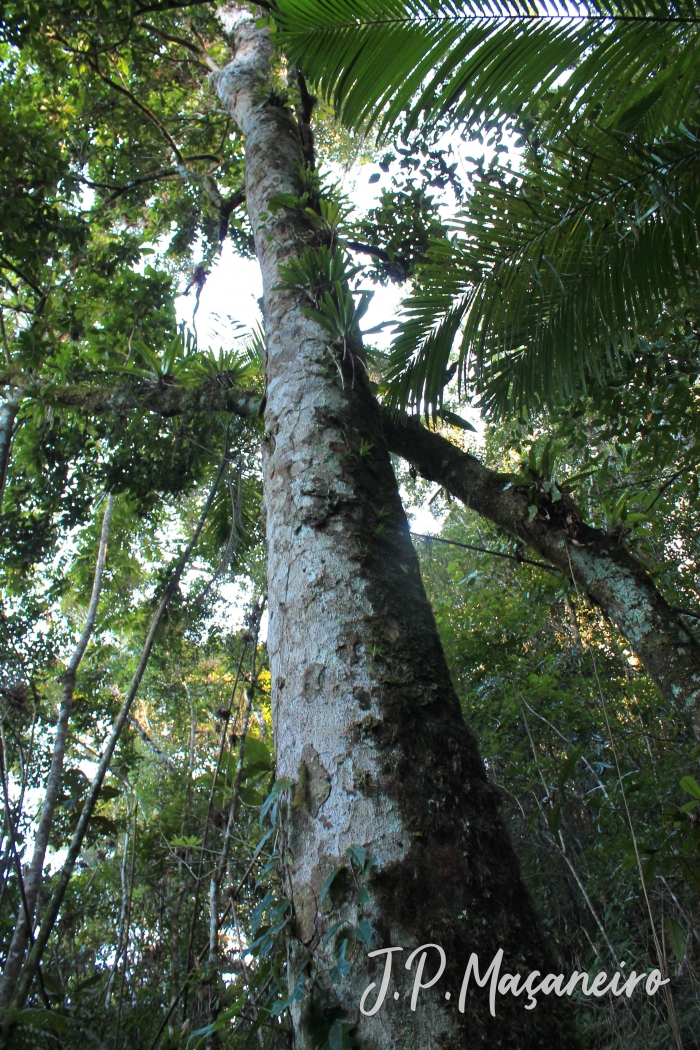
{"points": [[165, 400], [598, 564], [397, 268]]}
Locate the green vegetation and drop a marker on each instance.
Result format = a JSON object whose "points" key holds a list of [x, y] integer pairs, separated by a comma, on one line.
{"points": [[560, 297]]}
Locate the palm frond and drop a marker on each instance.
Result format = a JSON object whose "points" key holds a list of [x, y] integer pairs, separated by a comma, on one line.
{"points": [[415, 374], [554, 274], [391, 62]]}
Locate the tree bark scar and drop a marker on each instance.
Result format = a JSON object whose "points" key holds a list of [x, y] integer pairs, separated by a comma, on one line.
{"points": [[367, 726]]}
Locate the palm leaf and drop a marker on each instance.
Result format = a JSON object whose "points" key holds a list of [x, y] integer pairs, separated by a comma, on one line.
{"points": [[555, 274], [390, 62]]}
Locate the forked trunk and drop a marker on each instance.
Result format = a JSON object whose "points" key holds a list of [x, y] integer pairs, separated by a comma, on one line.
{"points": [[367, 723]]}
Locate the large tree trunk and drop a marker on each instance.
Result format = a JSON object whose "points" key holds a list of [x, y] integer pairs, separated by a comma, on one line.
{"points": [[367, 723], [602, 567], [611, 577]]}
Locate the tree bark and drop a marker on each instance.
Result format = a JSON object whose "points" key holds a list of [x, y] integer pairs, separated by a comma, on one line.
{"points": [[598, 563], [604, 569], [32, 882], [8, 416], [367, 723]]}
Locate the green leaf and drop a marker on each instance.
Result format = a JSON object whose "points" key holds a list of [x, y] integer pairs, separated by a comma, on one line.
{"points": [[88, 983], [186, 841], [278, 789], [329, 882], [568, 767], [554, 818], [335, 1035], [691, 874], [250, 797], [454, 420], [363, 932], [649, 869], [676, 938], [103, 825], [332, 930], [222, 1021], [42, 1019], [358, 854], [629, 861], [690, 786], [256, 757]]}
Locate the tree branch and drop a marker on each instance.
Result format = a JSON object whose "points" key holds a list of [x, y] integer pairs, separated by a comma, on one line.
{"points": [[484, 550], [612, 578], [203, 58], [166, 401], [151, 744]]}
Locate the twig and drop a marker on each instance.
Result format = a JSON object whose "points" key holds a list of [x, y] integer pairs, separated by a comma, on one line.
{"points": [[483, 550]]}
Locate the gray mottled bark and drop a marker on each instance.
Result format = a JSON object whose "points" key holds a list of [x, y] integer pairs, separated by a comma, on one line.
{"points": [[608, 573], [32, 881], [601, 567], [8, 416], [367, 723]]}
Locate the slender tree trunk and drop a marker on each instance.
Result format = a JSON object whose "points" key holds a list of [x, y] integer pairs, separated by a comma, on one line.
{"points": [[50, 914], [223, 862], [8, 416], [611, 577], [32, 882], [367, 723], [122, 915]]}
